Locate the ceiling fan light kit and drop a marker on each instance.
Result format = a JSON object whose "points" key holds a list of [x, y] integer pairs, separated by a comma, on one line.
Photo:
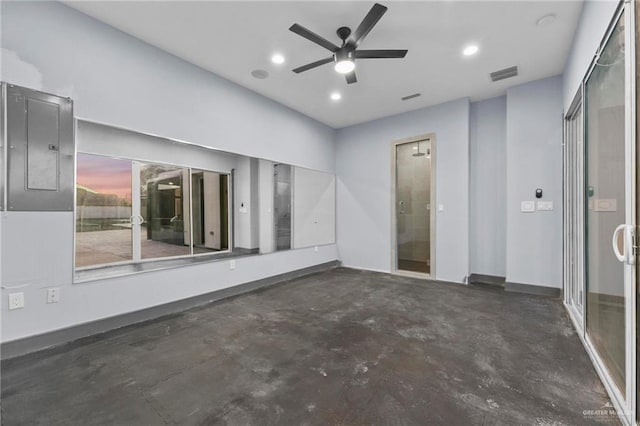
{"points": [[345, 55], [344, 61]]}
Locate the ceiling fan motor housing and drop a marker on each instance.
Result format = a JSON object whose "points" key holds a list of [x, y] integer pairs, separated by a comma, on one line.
{"points": [[344, 54], [344, 33]]}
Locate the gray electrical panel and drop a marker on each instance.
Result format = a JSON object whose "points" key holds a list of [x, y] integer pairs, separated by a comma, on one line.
{"points": [[40, 150]]}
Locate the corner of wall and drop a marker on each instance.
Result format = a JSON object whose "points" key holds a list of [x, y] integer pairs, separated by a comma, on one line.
{"points": [[534, 160]]}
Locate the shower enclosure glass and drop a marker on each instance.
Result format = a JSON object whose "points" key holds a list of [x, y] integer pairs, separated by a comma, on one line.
{"points": [[413, 165]]}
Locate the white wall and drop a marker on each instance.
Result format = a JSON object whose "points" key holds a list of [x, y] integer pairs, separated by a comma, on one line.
{"points": [[534, 160], [488, 188], [595, 19], [363, 164], [246, 203], [314, 207], [119, 80]]}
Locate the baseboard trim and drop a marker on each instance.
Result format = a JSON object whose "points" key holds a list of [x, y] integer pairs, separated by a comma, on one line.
{"points": [[532, 289], [51, 339], [362, 268], [487, 279]]}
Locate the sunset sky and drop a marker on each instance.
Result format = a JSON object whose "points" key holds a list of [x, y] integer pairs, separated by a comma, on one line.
{"points": [[105, 175]]}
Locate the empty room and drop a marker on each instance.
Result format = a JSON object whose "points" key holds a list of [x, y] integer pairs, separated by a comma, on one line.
{"points": [[319, 212]]}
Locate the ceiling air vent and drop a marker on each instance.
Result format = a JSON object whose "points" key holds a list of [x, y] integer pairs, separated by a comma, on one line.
{"points": [[505, 73], [406, 98]]}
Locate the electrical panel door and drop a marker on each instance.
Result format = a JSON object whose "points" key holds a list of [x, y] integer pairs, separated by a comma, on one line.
{"points": [[40, 151]]}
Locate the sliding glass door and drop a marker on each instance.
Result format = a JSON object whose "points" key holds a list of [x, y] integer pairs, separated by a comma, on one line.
{"points": [[607, 204], [130, 211], [103, 211], [600, 196], [606, 201]]}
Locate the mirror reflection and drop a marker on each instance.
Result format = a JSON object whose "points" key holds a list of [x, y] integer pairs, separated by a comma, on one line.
{"points": [[141, 198]]}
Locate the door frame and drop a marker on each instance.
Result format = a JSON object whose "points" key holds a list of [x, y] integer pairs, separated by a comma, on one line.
{"points": [[573, 208], [431, 137]]}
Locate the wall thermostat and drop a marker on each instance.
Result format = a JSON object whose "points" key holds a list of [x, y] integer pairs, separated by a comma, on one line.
{"points": [[538, 193]]}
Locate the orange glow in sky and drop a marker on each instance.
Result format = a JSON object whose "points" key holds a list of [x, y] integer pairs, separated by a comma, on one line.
{"points": [[105, 175]]}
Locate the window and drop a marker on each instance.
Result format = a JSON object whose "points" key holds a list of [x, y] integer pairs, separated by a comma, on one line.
{"points": [[130, 211]]}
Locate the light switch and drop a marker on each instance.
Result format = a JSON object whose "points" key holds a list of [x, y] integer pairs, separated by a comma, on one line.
{"points": [[528, 206], [545, 206], [440, 207]]}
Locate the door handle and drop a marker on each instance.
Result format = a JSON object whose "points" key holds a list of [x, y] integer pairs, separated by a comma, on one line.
{"points": [[136, 220], [627, 256], [628, 245]]}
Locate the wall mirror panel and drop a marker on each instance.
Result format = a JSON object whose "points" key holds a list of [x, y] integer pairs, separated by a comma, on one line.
{"points": [[143, 198]]}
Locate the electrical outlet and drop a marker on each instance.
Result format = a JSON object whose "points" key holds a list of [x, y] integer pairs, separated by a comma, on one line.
{"points": [[315, 248], [53, 295], [16, 301], [232, 264]]}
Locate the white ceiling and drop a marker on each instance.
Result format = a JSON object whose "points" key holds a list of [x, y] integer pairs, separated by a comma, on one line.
{"points": [[232, 39]]}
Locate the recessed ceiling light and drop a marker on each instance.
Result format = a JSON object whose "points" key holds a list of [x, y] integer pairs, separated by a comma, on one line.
{"points": [[277, 59], [546, 20], [335, 96], [260, 74], [470, 50]]}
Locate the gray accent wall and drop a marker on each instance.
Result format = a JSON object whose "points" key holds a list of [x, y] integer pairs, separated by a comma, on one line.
{"points": [[119, 80], [534, 160], [488, 187], [363, 164]]}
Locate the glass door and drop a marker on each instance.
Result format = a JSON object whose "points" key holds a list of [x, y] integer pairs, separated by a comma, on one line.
{"points": [[413, 200], [609, 219], [164, 209], [282, 191], [103, 211]]}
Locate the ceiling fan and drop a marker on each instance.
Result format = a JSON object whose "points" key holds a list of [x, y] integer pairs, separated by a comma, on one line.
{"points": [[345, 55]]}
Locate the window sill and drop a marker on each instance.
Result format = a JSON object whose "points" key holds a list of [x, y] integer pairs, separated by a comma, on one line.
{"points": [[112, 271]]}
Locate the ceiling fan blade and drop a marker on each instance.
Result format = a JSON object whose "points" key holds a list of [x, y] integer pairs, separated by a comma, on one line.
{"points": [[313, 65], [373, 54], [367, 23], [310, 35], [351, 77]]}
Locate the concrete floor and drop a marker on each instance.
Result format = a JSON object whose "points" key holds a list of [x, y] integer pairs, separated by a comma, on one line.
{"points": [[343, 347]]}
